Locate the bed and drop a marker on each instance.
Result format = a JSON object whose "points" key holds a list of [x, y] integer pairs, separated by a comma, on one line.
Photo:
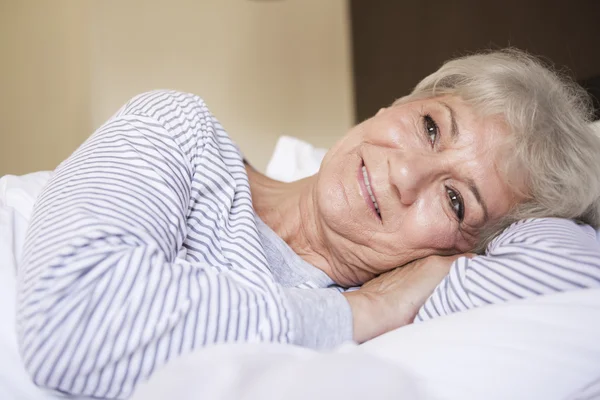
{"points": [[540, 348]]}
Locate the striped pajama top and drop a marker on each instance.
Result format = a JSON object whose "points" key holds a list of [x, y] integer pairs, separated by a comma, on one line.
{"points": [[145, 246]]}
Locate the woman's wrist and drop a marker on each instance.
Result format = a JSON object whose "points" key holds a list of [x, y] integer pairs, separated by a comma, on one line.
{"points": [[367, 315]]}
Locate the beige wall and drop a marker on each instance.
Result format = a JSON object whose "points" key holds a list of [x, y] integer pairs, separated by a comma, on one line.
{"points": [[44, 83], [265, 68]]}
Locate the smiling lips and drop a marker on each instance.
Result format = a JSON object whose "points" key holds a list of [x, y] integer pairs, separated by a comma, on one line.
{"points": [[369, 190]]}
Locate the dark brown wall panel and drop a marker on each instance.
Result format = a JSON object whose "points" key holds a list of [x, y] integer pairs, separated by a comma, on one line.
{"points": [[396, 43]]}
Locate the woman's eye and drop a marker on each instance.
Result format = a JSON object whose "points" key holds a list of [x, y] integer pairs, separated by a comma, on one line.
{"points": [[431, 129], [456, 202]]}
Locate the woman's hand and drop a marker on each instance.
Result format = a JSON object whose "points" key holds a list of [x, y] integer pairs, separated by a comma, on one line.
{"points": [[393, 299]]}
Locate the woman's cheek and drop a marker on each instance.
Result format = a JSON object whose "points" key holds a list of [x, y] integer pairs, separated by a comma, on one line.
{"points": [[432, 227]]}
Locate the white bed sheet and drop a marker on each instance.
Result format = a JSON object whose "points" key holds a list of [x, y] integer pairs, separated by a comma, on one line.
{"points": [[540, 348]]}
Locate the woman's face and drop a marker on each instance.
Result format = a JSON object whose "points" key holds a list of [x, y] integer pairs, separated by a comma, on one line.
{"points": [[417, 179]]}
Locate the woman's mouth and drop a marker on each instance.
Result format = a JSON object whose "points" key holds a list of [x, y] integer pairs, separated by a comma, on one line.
{"points": [[370, 190]]}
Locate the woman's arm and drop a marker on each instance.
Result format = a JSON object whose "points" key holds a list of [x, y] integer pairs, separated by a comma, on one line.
{"points": [[530, 258], [105, 296]]}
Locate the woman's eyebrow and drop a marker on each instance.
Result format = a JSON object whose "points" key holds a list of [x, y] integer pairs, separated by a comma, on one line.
{"points": [[454, 132], [477, 194]]}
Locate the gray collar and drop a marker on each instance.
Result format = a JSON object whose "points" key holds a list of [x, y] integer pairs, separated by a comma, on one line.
{"points": [[288, 268]]}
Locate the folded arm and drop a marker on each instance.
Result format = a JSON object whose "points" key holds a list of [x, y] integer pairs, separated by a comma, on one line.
{"points": [[106, 292]]}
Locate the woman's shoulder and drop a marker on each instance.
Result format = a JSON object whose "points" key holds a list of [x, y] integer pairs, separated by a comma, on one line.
{"points": [[183, 117], [156, 101]]}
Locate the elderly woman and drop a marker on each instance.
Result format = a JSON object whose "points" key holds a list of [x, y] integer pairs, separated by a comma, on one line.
{"points": [[155, 238]]}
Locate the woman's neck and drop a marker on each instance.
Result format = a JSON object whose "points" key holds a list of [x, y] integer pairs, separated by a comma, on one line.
{"points": [[289, 210]]}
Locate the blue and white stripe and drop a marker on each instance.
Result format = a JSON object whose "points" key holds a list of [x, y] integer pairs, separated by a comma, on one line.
{"points": [[143, 246]]}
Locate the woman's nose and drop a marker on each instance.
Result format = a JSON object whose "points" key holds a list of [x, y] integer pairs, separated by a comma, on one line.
{"points": [[411, 174]]}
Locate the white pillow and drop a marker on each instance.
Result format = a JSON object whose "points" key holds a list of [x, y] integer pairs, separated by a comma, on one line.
{"points": [[17, 195], [544, 347], [294, 159]]}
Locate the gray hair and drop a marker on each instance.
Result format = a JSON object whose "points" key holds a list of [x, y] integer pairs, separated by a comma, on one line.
{"points": [[553, 149]]}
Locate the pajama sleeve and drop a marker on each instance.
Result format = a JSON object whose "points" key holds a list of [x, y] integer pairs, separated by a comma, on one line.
{"points": [[530, 258]]}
